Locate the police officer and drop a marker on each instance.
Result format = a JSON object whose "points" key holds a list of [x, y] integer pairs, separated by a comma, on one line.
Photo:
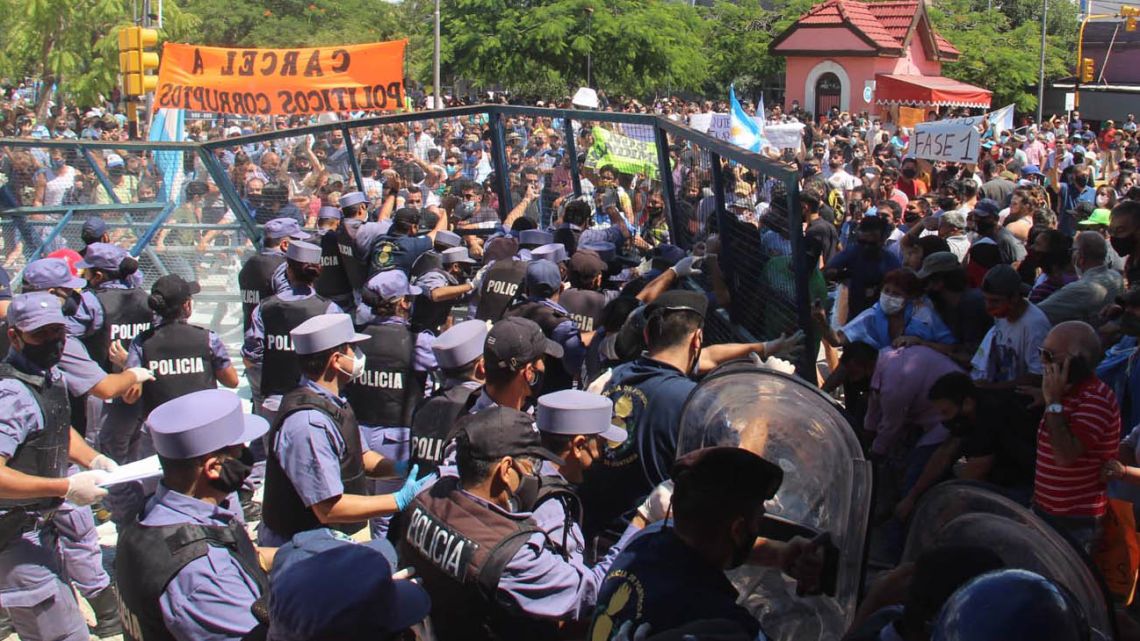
{"points": [[575, 425], [501, 282], [648, 395], [397, 361], [78, 540], [112, 308], [402, 244], [514, 360], [186, 568], [544, 288], [267, 343], [36, 444], [112, 312], [333, 283], [184, 358], [491, 572], [531, 239], [316, 468], [675, 575], [442, 287], [256, 278], [584, 300], [459, 354]]}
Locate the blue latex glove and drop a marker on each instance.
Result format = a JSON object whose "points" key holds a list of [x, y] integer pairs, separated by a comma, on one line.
{"points": [[412, 487]]}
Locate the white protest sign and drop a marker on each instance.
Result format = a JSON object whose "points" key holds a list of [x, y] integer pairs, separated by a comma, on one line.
{"points": [[785, 136], [950, 140], [701, 122]]}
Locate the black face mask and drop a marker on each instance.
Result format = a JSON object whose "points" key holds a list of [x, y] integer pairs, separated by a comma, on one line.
{"points": [[234, 472], [45, 355], [1122, 246], [909, 172], [653, 212], [526, 495]]}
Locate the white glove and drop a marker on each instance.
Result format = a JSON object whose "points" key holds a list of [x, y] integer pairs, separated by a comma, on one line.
{"points": [[103, 462], [83, 488], [142, 374], [785, 345], [656, 505], [684, 267]]}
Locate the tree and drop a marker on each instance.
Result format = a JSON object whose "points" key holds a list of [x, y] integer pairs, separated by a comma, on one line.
{"points": [[738, 46], [636, 47], [294, 23], [1002, 54]]}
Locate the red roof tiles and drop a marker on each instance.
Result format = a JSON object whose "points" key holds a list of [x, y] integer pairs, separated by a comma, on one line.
{"points": [[885, 23]]}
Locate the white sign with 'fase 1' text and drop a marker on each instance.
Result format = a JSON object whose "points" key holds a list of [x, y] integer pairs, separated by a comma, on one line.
{"points": [[951, 141]]}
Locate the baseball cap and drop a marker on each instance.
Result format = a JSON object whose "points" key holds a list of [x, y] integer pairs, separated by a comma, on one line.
{"points": [[46, 273], [391, 285], [986, 207], [93, 229], [498, 432], [1002, 280], [346, 592], [68, 255], [1099, 216], [232, 130], [172, 290], [285, 227], [729, 472], [33, 310], [586, 264], [938, 263], [1031, 170], [406, 215], [543, 278], [676, 300], [513, 342], [103, 256]]}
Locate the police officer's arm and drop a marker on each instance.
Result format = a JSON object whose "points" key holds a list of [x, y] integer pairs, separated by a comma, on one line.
{"points": [[227, 376], [714, 355], [17, 485], [450, 292], [377, 465], [353, 508], [78, 451]]}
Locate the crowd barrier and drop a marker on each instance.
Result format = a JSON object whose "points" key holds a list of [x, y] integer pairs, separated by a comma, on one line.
{"points": [[50, 188]]}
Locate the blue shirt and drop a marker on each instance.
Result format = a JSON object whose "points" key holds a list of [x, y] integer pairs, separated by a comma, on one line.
{"points": [[308, 447], [602, 235], [871, 326], [569, 337], [209, 598], [20, 414]]}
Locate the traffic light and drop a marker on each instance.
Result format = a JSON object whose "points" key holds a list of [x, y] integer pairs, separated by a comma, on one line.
{"points": [[1130, 23], [135, 60], [1088, 70]]}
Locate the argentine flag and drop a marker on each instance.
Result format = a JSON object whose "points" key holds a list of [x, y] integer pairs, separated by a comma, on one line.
{"points": [[742, 130], [169, 125]]}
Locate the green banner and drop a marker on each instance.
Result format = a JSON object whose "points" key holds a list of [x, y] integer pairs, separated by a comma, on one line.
{"points": [[626, 155]]}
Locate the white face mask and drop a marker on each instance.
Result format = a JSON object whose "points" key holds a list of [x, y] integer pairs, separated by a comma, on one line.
{"points": [[891, 304], [358, 359]]}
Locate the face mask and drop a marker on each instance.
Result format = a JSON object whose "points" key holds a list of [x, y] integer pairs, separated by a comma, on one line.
{"points": [[525, 496], [653, 211], [1102, 201], [891, 304], [57, 163], [1130, 324], [465, 210], [45, 355], [1122, 246], [909, 172], [451, 169], [357, 365], [234, 472]]}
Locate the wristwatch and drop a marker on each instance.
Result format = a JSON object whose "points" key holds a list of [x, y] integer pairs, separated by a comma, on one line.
{"points": [[1054, 408]]}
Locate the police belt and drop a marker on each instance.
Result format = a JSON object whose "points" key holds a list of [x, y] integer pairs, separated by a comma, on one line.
{"points": [[16, 521]]}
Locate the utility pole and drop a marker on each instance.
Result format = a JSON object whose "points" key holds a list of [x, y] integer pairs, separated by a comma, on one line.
{"points": [[435, 62], [1041, 68]]}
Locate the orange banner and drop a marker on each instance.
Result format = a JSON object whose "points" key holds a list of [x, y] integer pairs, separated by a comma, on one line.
{"points": [[282, 81]]}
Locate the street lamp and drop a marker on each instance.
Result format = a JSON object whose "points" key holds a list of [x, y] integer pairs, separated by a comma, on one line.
{"points": [[435, 61]]}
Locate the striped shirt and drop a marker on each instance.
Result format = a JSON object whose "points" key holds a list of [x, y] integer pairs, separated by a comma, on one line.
{"points": [[1093, 416]]}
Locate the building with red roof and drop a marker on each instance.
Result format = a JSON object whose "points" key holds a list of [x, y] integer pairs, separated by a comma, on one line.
{"points": [[859, 55]]}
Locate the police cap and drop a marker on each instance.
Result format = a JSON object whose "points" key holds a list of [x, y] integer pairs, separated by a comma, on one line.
{"points": [[572, 412], [461, 344], [200, 423]]}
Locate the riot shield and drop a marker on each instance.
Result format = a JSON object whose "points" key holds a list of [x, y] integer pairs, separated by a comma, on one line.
{"points": [[969, 513], [826, 488]]}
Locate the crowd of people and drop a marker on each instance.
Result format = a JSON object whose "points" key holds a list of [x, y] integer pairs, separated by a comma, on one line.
{"points": [[487, 386]]}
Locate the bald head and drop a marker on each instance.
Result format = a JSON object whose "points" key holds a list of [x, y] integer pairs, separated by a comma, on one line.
{"points": [[1073, 338], [1093, 249]]}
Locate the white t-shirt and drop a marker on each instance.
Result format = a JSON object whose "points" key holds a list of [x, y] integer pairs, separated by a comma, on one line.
{"points": [[1011, 349]]}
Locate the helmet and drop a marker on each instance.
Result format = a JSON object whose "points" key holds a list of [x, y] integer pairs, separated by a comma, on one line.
{"points": [[1011, 605]]}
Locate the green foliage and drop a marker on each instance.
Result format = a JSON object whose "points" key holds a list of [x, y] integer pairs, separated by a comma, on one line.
{"points": [[530, 46], [294, 23], [738, 45], [1001, 47]]}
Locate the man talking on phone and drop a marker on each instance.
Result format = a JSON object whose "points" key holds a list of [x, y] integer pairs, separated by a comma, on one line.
{"points": [[1079, 432]]}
